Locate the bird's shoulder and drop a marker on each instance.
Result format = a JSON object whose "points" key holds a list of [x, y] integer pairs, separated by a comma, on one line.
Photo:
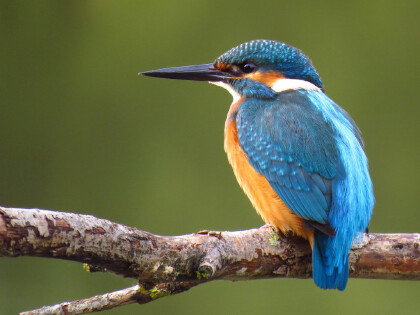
{"points": [[289, 127]]}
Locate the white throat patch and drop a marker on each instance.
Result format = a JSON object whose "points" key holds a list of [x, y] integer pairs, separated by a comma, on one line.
{"points": [[235, 94]]}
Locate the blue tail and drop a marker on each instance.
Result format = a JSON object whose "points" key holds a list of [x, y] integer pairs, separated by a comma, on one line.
{"points": [[330, 266]]}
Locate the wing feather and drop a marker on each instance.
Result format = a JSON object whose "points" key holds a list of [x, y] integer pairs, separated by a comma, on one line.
{"points": [[290, 143]]}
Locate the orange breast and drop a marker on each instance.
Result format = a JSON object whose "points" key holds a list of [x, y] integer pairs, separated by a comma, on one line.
{"points": [[264, 199]]}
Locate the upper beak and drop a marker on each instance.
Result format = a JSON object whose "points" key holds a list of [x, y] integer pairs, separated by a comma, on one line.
{"points": [[205, 72]]}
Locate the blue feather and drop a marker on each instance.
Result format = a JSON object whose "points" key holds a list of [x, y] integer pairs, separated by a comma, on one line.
{"points": [[311, 153]]}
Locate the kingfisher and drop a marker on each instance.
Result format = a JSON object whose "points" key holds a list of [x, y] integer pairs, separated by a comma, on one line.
{"points": [[298, 156]]}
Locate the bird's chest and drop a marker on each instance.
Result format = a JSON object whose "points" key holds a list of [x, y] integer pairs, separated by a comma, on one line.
{"points": [[262, 196], [253, 183], [236, 156]]}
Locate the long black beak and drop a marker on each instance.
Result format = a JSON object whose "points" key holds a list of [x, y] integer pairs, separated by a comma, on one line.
{"points": [[205, 72]]}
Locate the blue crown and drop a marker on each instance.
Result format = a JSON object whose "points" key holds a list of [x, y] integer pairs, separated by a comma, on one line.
{"points": [[270, 55]]}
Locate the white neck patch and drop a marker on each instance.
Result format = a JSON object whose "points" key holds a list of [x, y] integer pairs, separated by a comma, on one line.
{"points": [[281, 85], [236, 96]]}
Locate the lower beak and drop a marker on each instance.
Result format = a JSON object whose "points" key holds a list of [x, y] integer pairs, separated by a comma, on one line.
{"points": [[205, 72]]}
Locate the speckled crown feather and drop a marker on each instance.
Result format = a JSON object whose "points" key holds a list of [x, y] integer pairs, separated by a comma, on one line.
{"points": [[288, 60]]}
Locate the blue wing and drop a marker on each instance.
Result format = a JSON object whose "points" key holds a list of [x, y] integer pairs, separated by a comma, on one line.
{"points": [[294, 147]]}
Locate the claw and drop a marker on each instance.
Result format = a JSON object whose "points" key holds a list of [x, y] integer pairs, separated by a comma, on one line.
{"points": [[269, 226]]}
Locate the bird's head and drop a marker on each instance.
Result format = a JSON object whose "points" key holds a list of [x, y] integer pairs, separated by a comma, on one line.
{"points": [[258, 68]]}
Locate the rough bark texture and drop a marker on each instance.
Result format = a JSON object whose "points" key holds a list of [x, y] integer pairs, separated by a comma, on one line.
{"points": [[176, 263], [252, 254]]}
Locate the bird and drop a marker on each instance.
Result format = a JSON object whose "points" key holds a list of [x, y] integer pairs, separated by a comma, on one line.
{"points": [[298, 156]]}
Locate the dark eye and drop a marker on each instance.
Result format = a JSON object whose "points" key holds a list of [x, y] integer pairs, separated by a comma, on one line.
{"points": [[248, 67]]}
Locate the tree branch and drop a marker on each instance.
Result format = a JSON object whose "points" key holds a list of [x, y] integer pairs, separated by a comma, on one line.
{"points": [[172, 264], [102, 302]]}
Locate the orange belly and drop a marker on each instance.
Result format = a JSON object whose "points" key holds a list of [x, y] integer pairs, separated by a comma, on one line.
{"points": [[264, 199]]}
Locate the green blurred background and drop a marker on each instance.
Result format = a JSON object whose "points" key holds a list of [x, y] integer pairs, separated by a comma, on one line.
{"points": [[81, 132]]}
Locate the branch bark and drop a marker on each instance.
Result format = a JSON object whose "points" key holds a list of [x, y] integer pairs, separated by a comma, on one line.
{"points": [[166, 265]]}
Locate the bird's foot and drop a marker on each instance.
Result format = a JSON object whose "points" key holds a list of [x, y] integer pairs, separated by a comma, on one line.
{"points": [[269, 226], [211, 233]]}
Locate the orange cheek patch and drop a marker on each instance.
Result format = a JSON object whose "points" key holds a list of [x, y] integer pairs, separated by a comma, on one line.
{"points": [[266, 78]]}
